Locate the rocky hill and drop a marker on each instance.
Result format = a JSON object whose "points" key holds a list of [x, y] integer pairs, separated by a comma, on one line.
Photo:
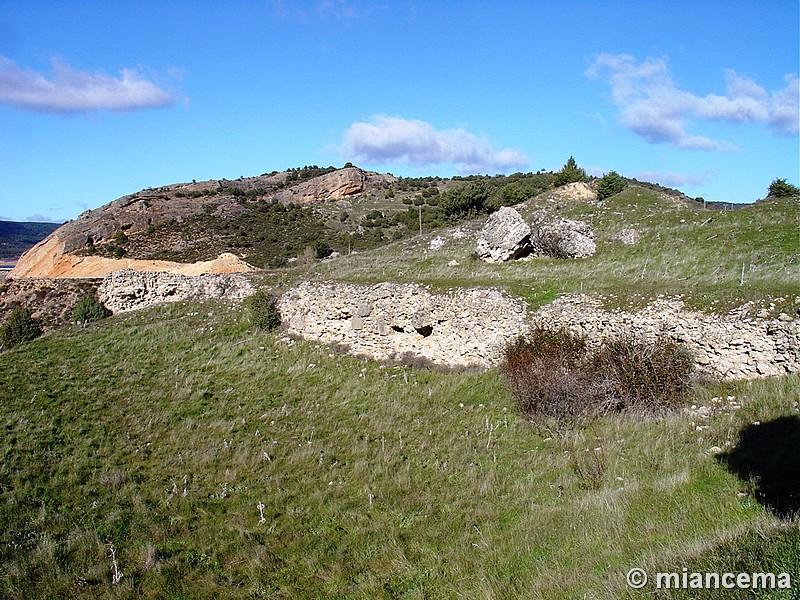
{"points": [[161, 223]]}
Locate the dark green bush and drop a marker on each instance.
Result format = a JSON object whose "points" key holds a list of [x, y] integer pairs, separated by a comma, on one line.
{"points": [[780, 188], [264, 313], [89, 309], [569, 173], [611, 183], [555, 377], [20, 326]]}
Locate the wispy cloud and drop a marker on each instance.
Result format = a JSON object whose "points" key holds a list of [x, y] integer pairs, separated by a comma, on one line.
{"points": [[392, 139], [322, 9], [42, 219], [674, 179], [657, 110], [67, 90]]}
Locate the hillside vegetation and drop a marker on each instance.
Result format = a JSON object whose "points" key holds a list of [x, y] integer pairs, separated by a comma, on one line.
{"points": [[262, 468], [177, 452]]}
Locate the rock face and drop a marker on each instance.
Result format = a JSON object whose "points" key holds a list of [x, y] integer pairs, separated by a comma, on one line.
{"points": [[45, 261], [462, 328], [564, 238], [732, 346], [505, 236], [330, 187], [130, 290]]}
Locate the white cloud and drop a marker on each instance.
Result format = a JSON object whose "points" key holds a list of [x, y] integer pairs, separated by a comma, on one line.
{"points": [[393, 139], [657, 110], [69, 90]]}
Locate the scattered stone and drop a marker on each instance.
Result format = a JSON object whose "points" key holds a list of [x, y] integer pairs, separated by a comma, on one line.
{"points": [[437, 243], [628, 236]]}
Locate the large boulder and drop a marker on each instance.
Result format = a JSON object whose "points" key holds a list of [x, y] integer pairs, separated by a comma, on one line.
{"points": [[505, 236], [564, 238]]}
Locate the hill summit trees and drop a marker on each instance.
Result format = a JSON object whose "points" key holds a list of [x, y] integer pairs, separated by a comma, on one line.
{"points": [[569, 173]]}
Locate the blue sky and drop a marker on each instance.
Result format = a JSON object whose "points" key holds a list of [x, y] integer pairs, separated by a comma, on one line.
{"points": [[102, 99]]}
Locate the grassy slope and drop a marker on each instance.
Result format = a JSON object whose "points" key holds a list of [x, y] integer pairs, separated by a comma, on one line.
{"points": [[684, 249], [375, 482]]}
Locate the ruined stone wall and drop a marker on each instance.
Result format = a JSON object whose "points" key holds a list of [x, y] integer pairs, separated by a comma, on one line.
{"points": [[388, 321], [733, 346], [130, 290], [470, 327]]}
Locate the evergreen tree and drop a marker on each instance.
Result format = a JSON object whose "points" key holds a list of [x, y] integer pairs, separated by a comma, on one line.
{"points": [[570, 173]]}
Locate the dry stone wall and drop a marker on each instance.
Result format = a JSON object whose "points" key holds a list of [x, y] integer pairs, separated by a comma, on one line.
{"points": [[396, 322], [463, 328], [733, 346], [127, 290]]}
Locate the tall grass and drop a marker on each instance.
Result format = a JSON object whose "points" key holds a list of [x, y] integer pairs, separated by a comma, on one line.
{"points": [[223, 463]]}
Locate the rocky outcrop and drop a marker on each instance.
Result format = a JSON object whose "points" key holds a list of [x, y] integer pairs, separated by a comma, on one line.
{"points": [[138, 216], [49, 262], [563, 238], [130, 290], [505, 236], [396, 322], [330, 187], [733, 346]]}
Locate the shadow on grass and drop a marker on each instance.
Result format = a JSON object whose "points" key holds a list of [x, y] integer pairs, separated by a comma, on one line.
{"points": [[768, 455]]}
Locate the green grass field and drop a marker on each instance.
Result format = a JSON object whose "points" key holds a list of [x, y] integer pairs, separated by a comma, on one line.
{"points": [[222, 463]]}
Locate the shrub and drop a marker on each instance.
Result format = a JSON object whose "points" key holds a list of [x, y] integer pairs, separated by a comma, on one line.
{"points": [[89, 309], [611, 183], [20, 326], [650, 376], [556, 378], [264, 313], [780, 188]]}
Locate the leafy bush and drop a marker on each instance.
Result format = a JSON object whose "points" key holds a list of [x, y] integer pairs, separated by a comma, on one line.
{"points": [[611, 183], [466, 200], [20, 326], [555, 377], [89, 309], [569, 173], [264, 313], [780, 188]]}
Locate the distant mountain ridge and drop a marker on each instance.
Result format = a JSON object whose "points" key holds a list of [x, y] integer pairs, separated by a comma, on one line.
{"points": [[17, 237]]}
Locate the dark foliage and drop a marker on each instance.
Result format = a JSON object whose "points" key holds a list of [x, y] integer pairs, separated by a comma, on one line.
{"points": [[569, 173], [19, 327], [555, 376], [263, 310], [89, 309], [611, 183], [780, 188]]}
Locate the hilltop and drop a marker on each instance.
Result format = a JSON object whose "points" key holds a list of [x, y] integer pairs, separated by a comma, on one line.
{"points": [[273, 219]]}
